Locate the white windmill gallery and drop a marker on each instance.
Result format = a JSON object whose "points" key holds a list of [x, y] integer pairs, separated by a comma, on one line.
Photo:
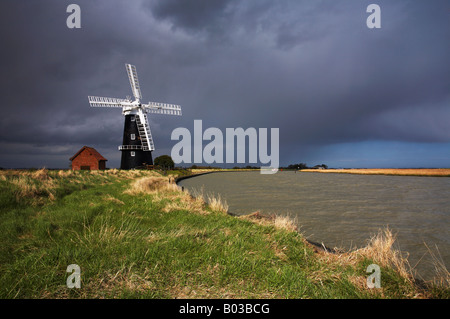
{"points": [[137, 145]]}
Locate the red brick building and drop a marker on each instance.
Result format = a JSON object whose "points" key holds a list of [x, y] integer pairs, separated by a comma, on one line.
{"points": [[87, 158]]}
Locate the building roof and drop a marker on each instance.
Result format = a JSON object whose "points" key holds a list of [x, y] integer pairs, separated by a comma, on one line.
{"points": [[93, 152]]}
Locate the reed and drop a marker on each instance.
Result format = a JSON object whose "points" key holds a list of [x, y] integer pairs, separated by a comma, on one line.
{"points": [[217, 203], [281, 222], [442, 278], [285, 222], [381, 250], [148, 185]]}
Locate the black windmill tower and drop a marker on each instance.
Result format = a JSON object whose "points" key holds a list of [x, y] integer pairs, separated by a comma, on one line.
{"points": [[137, 145]]}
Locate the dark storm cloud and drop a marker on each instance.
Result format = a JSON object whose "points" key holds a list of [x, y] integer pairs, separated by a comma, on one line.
{"points": [[311, 68], [196, 16]]}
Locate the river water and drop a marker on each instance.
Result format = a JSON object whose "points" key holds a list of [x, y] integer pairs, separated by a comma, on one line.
{"points": [[345, 210]]}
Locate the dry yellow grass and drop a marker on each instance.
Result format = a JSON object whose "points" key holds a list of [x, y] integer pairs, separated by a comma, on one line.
{"points": [[65, 173], [41, 174], [151, 184], [31, 185], [442, 278], [278, 221], [163, 188], [37, 186], [381, 250], [387, 171], [217, 203], [183, 200], [285, 222], [113, 199]]}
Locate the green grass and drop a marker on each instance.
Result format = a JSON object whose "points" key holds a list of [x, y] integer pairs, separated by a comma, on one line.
{"points": [[158, 244]]}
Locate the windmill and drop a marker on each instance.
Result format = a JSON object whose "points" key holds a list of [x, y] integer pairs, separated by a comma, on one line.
{"points": [[137, 145]]}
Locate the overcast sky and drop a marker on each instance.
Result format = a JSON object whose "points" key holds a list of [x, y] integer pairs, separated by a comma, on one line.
{"points": [[340, 93]]}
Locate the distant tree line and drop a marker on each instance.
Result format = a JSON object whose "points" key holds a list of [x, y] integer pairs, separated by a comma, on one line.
{"points": [[203, 167], [304, 166], [297, 166], [165, 162]]}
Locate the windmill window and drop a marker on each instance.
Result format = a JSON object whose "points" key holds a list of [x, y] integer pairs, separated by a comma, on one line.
{"points": [[133, 154], [133, 118], [133, 137]]}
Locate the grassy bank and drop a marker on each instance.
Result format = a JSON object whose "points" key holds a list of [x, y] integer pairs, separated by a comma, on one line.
{"points": [[134, 234], [437, 172]]}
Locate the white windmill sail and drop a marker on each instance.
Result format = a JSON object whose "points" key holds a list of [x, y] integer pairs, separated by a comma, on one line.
{"points": [[162, 108], [134, 82], [144, 132], [98, 101]]}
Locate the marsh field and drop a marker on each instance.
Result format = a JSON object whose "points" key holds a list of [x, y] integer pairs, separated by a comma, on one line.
{"points": [[136, 234]]}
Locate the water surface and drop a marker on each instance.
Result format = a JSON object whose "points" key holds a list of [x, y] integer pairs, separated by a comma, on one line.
{"points": [[345, 210]]}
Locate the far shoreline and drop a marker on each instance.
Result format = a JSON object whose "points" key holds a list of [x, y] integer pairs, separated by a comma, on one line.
{"points": [[426, 172]]}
